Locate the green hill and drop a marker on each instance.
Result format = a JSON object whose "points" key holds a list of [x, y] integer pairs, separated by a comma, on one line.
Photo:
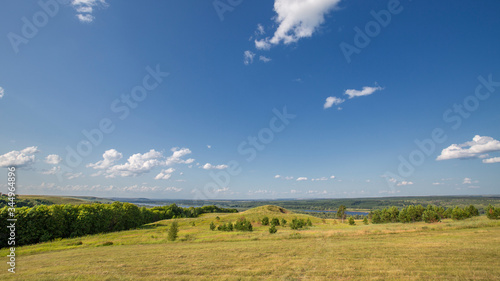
{"points": [[325, 251]]}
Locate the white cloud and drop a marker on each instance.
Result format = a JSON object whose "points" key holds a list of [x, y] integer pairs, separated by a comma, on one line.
{"points": [[177, 154], [53, 159], [293, 191], [20, 158], [320, 179], [437, 183], [301, 179], [52, 171], [84, 8], [264, 59], [260, 29], [71, 176], [165, 174], [288, 178], [209, 166], [477, 148], [365, 92], [296, 19], [2, 92], [109, 158], [137, 164], [248, 57], [209, 146], [277, 176], [492, 160], [332, 177], [330, 101], [402, 183], [467, 181]]}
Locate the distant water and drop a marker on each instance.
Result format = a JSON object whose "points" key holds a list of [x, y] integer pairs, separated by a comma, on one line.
{"points": [[347, 213]]}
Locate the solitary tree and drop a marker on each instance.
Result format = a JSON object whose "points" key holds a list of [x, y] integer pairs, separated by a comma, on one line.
{"points": [[265, 221], [212, 226], [341, 212], [351, 221], [172, 231], [365, 220]]}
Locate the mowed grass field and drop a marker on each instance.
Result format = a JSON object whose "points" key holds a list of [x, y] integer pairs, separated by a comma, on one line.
{"points": [[329, 250]]}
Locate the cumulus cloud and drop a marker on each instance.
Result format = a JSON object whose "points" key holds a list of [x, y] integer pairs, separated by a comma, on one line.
{"points": [[467, 181], [53, 159], [20, 158], [85, 8], [52, 171], [109, 158], [2, 92], [364, 92], [296, 19], [320, 179], [71, 176], [277, 176], [301, 179], [209, 166], [177, 154], [248, 57], [260, 29], [332, 177], [165, 174], [477, 148], [492, 160], [330, 101]]}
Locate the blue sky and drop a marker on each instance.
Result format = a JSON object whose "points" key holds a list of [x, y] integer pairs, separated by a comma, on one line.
{"points": [[250, 99]]}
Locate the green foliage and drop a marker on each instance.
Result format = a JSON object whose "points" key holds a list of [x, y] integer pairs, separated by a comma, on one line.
{"points": [[44, 223], [365, 221], [265, 221], [351, 221], [418, 213], [298, 223], [283, 222], [243, 225], [308, 222], [212, 226], [341, 212], [430, 215], [275, 222], [173, 231], [272, 229], [492, 212]]}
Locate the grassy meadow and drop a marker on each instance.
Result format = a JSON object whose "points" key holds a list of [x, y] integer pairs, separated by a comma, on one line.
{"points": [[329, 250]]}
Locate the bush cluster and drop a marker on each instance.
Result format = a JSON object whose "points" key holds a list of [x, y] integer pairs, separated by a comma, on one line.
{"points": [[241, 225], [43, 223], [419, 213], [492, 212]]}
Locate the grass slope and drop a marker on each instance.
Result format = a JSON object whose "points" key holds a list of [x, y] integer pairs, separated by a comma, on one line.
{"points": [[328, 250], [57, 199]]}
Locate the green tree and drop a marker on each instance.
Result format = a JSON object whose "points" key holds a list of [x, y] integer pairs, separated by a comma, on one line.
{"points": [[365, 220], [283, 222], [351, 221], [341, 212], [265, 221], [308, 222], [212, 226], [275, 221], [173, 231], [272, 229]]}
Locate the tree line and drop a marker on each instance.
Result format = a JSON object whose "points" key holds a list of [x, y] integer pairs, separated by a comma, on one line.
{"points": [[44, 223], [418, 213]]}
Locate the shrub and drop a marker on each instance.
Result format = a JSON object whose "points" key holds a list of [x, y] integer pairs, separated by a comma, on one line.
{"points": [[275, 222], [173, 231], [365, 221], [351, 221], [272, 229], [265, 221], [212, 226], [283, 222]]}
